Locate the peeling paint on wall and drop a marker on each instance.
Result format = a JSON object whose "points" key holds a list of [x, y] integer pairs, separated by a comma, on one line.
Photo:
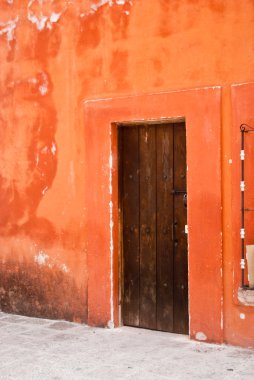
{"points": [[41, 258], [96, 5], [37, 290], [53, 148], [41, 20], [44, 190], [200, 336], [28, 156], [64, 268], [41, 82], [8, 28]]}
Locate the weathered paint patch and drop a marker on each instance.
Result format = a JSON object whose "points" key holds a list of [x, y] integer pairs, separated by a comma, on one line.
{"points": [[64, 268], [8, 28], [96, 5], [24, 181], [43, 88], [29, 289], [200, 336], [41, 258], [53, 148], [44, 190], [42, 20]]}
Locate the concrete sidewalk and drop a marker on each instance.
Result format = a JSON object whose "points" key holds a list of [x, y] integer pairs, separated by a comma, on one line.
{"points": [[37, 349]]}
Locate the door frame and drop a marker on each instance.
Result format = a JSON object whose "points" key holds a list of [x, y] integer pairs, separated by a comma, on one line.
{"points": [[201, 109], [118, 126]]}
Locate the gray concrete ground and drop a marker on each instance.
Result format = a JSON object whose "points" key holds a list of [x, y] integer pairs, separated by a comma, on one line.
{"points": [[37, 349]]}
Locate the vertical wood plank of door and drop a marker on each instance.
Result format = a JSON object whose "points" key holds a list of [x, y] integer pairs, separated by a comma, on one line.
{"points": [[181, 318], [165, 259], [130, 214], [147, 227]]}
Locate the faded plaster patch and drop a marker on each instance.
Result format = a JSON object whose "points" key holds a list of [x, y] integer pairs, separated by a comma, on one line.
{"points": [[8, 28], [123, 2], [94, 7], [32, 80], [32, 170], [53, 148], [42, 81], [43, 88], [64, 268], [200, 336], [41, 20], [98, 4], [54, 17], [41, 258], [44, 190], [246, 296]]}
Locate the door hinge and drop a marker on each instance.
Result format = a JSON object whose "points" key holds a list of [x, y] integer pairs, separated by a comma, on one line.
{"points": [[186, 229]]}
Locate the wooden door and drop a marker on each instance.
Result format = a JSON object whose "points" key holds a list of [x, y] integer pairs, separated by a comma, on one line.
{"points": [[153, 204]]}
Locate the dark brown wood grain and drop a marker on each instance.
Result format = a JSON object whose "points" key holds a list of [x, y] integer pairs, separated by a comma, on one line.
{"points": [[165, 254], [147, 227], [155, 265], [130, 211]]}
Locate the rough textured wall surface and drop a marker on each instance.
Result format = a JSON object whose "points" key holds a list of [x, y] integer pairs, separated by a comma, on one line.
{"points": [[53, 55]]}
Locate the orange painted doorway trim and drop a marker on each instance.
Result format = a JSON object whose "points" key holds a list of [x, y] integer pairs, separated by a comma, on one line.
{"points": [[201, 110]]}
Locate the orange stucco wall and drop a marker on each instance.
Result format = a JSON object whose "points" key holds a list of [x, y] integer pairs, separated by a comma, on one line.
{"points": [[56, 54]]}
